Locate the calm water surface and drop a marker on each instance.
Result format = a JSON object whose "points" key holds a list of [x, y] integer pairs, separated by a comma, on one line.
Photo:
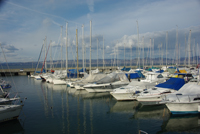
{"points": [[59, 109]]}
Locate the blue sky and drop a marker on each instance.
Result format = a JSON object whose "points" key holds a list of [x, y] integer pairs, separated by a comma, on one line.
{"points": [[24, 25]]}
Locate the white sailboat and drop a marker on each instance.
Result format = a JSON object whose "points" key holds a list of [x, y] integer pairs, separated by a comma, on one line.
{"points": [[9, 112]]}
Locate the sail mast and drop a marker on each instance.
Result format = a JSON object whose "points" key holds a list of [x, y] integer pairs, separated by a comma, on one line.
{"points": [[189, 51], [77, 51], [45, 53], [177, 45], [61, 46], [124, 54], [83, 48], [143, 50], [138, 44], [66, 48], [103, 52], [166, 46], [97, 52], [90, 44]]}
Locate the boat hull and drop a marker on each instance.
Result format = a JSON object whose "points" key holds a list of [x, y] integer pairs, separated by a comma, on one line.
{"points": [[9, 112], [103, 88], [184, 107], [123, 96]]}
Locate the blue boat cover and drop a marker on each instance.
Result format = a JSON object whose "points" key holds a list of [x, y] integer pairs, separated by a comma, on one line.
{"points": [[160, 71], [172, 83], [73, 72], [149, 69], [134, 76], [125, 69], [140, 74], [172, 67]]}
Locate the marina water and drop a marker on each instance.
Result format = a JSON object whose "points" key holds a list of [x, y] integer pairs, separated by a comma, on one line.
{"points": [[59, 109]]}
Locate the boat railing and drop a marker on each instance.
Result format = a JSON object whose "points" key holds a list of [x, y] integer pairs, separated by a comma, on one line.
{"points": [[190, 97], [142, 132]]}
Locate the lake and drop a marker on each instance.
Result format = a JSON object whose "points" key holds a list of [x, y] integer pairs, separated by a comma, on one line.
{"points": [[60, 109]]}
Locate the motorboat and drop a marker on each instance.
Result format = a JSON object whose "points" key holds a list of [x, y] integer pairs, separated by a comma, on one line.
{"points": [[184, 101], [128, 92], [154, 95]]}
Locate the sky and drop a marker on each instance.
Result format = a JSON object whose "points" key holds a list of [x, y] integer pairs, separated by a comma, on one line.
{"points": [[25, 24]]}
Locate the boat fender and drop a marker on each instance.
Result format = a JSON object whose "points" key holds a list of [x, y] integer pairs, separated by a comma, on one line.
{"points": [[199, 108]]}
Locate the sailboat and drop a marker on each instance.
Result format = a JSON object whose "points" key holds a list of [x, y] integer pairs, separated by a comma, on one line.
{"points": [[9, 112]]}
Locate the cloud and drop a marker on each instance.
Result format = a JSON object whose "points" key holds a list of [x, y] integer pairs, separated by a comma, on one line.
{"points": [[90, 4]]}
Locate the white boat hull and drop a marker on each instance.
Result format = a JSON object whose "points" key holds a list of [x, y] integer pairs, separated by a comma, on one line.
{"points": [[78, 87], [184, 107], [59, 82], [123, 96], [9, 112], [103, 87]]}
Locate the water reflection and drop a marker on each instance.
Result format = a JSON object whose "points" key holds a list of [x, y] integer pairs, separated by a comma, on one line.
{"points": [[62, 109], [12, 126], [125, 107], [187, 123], [159, 112]]}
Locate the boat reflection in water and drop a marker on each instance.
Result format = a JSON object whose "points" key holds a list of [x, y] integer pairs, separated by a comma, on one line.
{"points": [[187, 123], [125, 107], [158, 112], [10, 127]]}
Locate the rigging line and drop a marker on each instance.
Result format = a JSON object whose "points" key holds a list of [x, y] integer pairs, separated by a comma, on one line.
{"points": [[56, 48], [39, 59], [45, 59], [40, 12], [9, 70]]}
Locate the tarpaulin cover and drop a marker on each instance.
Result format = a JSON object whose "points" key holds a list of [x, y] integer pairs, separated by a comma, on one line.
{"points": [[134, 75], [140, 74], [125, 69], [160, 71], [172, 83], [73, 72]]}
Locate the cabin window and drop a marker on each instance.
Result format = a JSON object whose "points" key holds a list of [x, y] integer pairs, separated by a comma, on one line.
{"points": [[160, 76]]}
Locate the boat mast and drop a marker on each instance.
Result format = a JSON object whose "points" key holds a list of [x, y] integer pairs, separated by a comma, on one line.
{"points": [[197, 53], [161, 49], [189, 41], [45, 53], [185, 51], [61, 46], [131, 58], [103, 52], [143, 50], [90, 44], [138, 44], [194, 52], [124, 54], [177, 45], [51, 63], [97, 52], [83, 48], [66, 47], [77, 51], [166, 45], [150, 53]]}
